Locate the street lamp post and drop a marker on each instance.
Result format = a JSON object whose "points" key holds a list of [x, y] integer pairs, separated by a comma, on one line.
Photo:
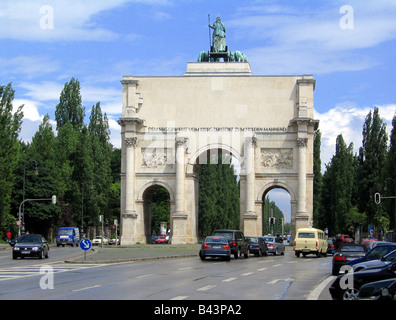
{"points": [[53, 200], [22, 222]]}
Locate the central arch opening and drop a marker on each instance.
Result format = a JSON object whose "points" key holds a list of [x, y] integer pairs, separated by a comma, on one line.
{"points": [[219, 191], [156, 212], [276, 204]]}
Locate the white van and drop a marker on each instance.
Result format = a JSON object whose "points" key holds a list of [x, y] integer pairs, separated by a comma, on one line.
{"points": [[310, 241]]}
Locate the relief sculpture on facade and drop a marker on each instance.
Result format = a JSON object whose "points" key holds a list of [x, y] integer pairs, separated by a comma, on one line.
{"points": [[154, 158], [277, 158]]}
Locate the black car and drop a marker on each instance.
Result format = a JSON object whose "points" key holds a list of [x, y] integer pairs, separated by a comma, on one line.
{"points": [[215, 246], [345, 253], [30, 245], [257, 246], [378, 290], [346, 287], [238, 244]]}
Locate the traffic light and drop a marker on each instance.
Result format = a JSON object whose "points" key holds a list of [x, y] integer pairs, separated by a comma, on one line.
{"points": [[271, 221]]}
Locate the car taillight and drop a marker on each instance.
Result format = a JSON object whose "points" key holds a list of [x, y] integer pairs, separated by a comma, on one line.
{"points": [[271, 245], [316, 244], [257, 246], [339, 258], [233, 243], [206, 246], [226, 246], [294, 242]]}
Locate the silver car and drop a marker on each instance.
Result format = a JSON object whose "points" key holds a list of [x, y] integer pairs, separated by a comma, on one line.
{"points": [[275, 244]]}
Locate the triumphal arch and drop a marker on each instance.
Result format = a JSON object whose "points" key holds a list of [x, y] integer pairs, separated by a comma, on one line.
{"points": [[169, 126]]}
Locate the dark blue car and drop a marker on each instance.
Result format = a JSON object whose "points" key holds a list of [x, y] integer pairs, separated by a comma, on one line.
{"points": [[376, 253]]}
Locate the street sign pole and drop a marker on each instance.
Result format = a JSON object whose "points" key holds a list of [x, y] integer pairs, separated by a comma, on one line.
{"points": [[85, 244]]}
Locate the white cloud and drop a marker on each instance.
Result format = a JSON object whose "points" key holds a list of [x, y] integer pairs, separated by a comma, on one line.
{"points": [[348, 119], [311, 41], [30, 109], [43, 20]]}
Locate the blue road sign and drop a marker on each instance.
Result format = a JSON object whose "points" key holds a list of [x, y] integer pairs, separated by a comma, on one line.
{"points": [[85, 244]]}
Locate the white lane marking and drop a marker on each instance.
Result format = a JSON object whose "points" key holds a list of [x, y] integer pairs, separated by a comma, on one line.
{"points": [[208, 287], [229, 279], [86, 288], [179, 298], [144, 276], [247, 274]]}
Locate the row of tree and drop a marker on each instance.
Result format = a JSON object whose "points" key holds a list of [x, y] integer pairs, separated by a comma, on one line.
{"points": [[78, 164], [344, 194]]}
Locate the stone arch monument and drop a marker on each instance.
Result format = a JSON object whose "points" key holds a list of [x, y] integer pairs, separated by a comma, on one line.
{"points": [[170, 124]]}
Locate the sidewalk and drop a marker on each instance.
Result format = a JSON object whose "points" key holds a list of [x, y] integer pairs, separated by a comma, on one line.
{"points": [[139, 252]]}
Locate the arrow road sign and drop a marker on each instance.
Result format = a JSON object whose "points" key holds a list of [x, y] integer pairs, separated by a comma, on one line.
{"points": [[85, 244]]}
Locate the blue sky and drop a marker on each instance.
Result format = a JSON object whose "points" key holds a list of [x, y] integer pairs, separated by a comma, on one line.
{"points": [[349, 46]]}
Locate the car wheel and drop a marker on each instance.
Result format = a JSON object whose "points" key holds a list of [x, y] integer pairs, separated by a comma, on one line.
{"points": [[47, 255], [236, 254], [350, 294], [41, 254], [246, 255], [275, 252]]}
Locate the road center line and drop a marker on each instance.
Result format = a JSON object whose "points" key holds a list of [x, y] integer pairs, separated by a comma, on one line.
{"points": [[207, 287], [86, 288], [229, 279]]}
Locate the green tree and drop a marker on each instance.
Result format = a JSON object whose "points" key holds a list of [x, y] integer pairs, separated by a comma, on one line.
{"points": [[318, 218], [70, 107], [100, 158], [371, 162], [338, 187], [10, 127], [37, 172], [390, 176], [70, 142]]}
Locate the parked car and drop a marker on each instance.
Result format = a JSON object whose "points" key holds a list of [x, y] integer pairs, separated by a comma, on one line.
{"points": [[238, 244], [375, 253], [367, 242], [30, 245], [330, 246], [375, 263], [161, 239], [378, 243], [345, 253], [310, 241], [342, 289], [275, 245], [378, 290], [113, 241], [98, 241], [215, 246], [257, 246]]}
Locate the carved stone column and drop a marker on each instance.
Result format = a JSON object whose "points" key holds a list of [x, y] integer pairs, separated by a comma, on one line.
{"points": [[302, 144], [250, 217], [128, 223], [180, 174], [179, 218]]}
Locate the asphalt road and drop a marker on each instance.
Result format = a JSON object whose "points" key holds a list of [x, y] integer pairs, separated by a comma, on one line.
{"points": [[282, 277]]}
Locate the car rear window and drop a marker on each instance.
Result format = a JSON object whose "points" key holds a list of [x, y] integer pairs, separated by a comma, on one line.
{"points": [[227, 235], [310, 235], [215, 239], [268, 239], [252, 239], [352, 249]]}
